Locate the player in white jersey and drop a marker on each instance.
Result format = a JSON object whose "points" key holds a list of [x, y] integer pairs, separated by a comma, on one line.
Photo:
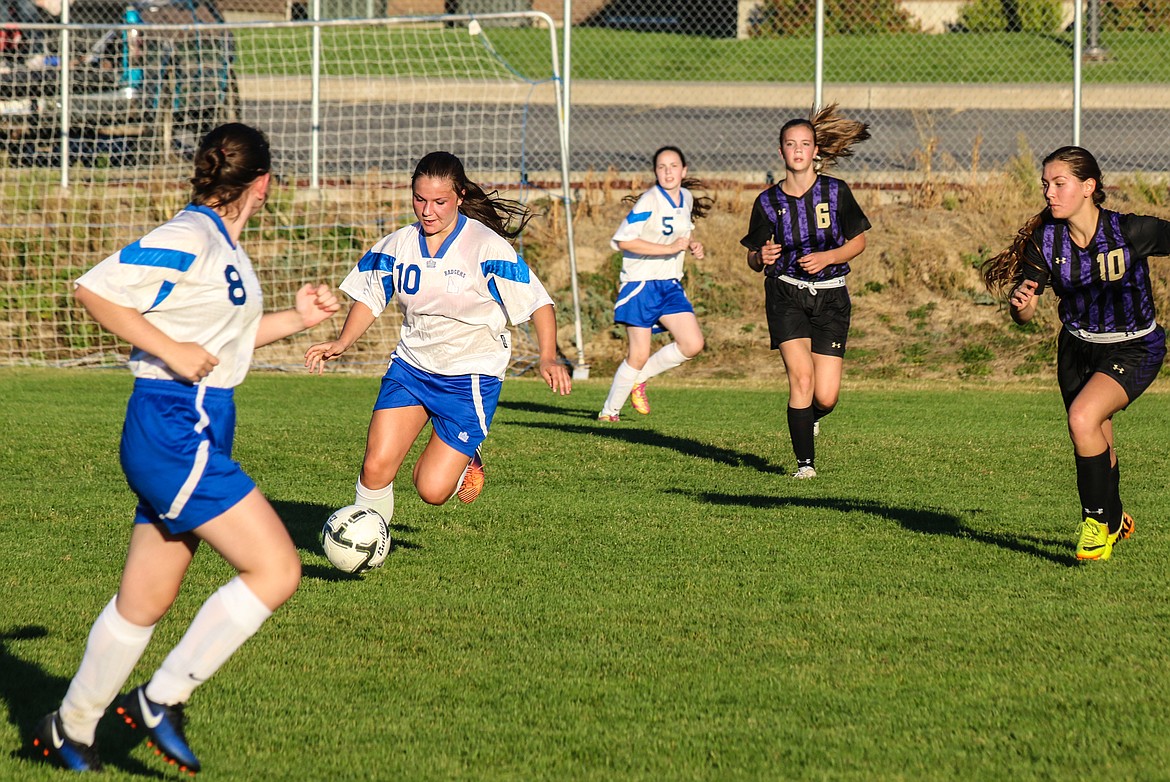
{"points": [[187, 300], [654, 238], [457, 282]]}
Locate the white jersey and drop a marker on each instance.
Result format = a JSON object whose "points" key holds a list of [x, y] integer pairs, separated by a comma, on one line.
{"points": [[191, 283], [655, 218], [455, 305]]}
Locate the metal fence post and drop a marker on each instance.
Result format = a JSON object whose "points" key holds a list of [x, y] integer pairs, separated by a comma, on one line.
{"points": [[1078, 37], [66, 86], [315, 101]]}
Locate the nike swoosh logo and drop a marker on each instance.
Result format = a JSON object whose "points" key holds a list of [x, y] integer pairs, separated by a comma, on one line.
{"points": [[149, 718], [58, 742]]}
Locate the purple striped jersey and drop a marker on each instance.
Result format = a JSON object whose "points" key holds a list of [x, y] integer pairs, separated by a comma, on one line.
{"points": [[824, 218], [1105, 287]]}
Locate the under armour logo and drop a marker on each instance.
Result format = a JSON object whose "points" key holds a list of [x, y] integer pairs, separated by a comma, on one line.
{"points": [[836, 344], [1061, 259], [1119, 369], [1091, 512], [783, 211], [463, 437], [432, 264]]}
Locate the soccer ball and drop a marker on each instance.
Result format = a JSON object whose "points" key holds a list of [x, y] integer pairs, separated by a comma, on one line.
{"points": [[355, 539]]}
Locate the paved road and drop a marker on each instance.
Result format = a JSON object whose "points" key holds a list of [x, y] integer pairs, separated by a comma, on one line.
{"points": [[733, 141]]}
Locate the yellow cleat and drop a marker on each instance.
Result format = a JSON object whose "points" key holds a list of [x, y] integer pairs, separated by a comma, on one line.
{"points": [[1096, 542]]}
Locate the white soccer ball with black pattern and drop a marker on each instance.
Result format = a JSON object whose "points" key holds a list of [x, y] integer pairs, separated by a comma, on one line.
{"points": [[355, 539]]}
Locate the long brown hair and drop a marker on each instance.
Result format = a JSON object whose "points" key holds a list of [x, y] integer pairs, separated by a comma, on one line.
{"points": [[1004, 271], [702, 204], [833, 135], [229, 159], [491, 209]]}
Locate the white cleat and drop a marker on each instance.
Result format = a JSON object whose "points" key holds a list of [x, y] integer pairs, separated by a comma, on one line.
{"points": [[804, 473]]}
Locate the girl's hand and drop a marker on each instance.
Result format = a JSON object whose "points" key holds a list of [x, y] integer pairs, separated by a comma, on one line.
{"points": [[1024, 294], [557, 377], [770, 253], [317, 355], [696, 249], [190, 361], [316, 303], [814, 262]]}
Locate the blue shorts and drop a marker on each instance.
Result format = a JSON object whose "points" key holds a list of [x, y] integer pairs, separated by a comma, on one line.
{"points": [[461, 407], [176, 453], [642, 303]]}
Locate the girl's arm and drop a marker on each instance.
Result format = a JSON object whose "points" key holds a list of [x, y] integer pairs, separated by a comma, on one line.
{"points": [[356, 322], [814, 262], [643, 247], [553, 371], [314, 303], [1023, 301], [188, 360]]}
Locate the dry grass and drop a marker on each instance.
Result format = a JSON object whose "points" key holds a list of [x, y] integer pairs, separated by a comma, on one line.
{"points": [[920, 308]]}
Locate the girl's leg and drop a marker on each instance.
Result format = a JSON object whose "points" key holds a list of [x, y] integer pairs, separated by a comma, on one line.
{"points": [[391, 434], [827, 372], [688, 343], [155, 566], [627, 372], [253, 540], [798, 363], [1090, 427], [438, 471]]}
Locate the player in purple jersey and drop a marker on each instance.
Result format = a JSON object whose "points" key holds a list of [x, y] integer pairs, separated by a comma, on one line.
{"points": [[187, 300], [457, 282], [654, 238], [1111, 347], [803, 233]]}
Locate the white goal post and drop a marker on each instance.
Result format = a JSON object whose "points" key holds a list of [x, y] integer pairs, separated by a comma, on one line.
{"points": [[349, 107]]}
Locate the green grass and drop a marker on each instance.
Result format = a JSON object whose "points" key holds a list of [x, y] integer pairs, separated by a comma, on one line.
{"points": [[623, 55], [652, 600]]}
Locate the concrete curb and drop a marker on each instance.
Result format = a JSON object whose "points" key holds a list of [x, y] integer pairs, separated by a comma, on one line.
{"points": [[953, 97]]}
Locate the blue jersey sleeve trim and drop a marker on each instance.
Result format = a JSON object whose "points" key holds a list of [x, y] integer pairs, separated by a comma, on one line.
{"points": [[495, 292], [516, 271], [163, 291], [137, 255], [637, 217], [376, 262]]}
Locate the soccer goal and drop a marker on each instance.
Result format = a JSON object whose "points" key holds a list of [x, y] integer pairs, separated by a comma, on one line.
{"points": [[349, 107]]}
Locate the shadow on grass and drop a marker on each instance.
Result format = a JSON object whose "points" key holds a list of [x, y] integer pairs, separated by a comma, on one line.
{"points": [[543, 409], [30, 693], [304, 521], [655, 439], [922, 520]]}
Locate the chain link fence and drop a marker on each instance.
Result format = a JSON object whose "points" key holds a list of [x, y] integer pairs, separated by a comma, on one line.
{"points": [[951, 88]]}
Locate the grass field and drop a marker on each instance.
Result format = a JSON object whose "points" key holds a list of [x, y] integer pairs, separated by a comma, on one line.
{"points": [[616, 55], [652, 600]]}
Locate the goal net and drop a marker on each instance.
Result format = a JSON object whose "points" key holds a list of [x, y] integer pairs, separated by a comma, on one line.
{"points": [[349, 107]]}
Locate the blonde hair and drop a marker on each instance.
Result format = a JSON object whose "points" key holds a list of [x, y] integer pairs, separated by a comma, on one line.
{"points": [[833, 134]]}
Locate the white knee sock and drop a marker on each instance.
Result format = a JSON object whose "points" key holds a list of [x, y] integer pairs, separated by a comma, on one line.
{"points": [[667, 357], [228, 618], [381, 500], [619, 392], [113, 649]]}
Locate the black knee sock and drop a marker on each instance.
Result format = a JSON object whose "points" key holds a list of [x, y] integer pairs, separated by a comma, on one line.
{"points": [[800, 428], [1115, 498], [1094, 481], [820, 412]]}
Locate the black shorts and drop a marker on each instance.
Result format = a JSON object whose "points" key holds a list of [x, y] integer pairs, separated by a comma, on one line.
{"points": [[1133, 364], [796, 313]]}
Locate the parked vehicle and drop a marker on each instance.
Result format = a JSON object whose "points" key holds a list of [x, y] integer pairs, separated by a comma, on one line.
{"points": [[138, 94]]}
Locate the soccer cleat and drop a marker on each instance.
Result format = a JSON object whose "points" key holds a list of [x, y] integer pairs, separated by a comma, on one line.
{"points": [[164, 724], [471, 483], [1125, 530], [1095, 542], [49, 741], [609, 419], [804, 473], [639, 400]]}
